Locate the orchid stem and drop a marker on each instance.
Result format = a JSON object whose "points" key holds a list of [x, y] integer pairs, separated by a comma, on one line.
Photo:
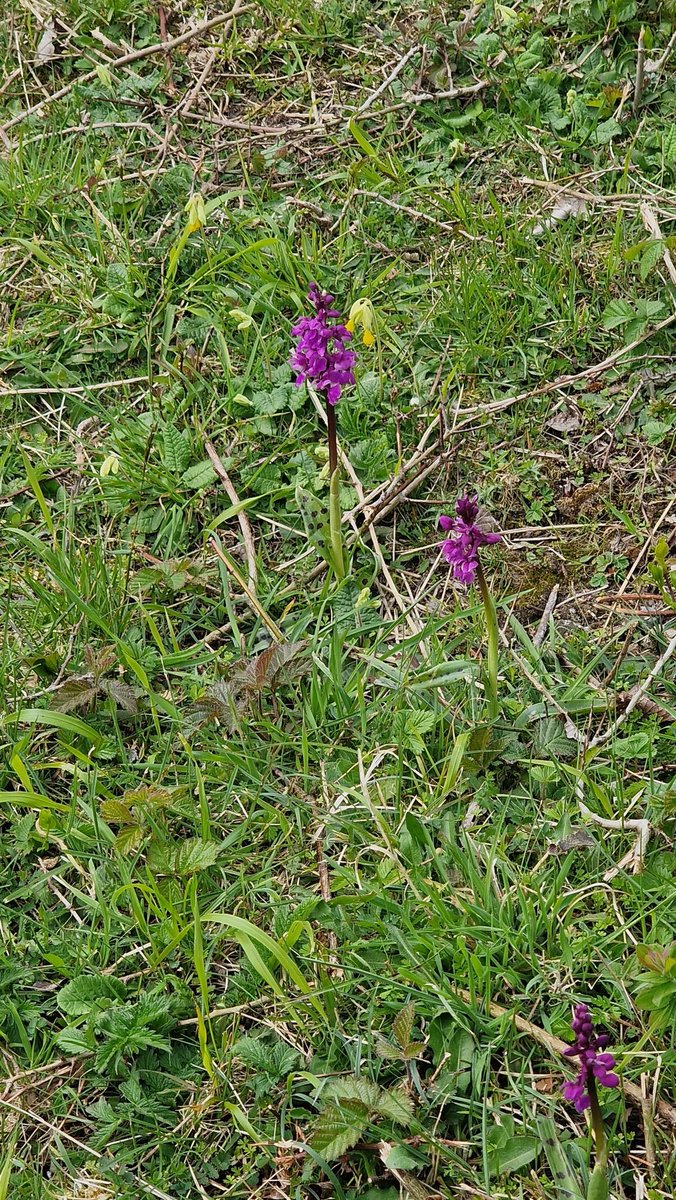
{"points": [[336, 526], [492, 634], [333, 440]]}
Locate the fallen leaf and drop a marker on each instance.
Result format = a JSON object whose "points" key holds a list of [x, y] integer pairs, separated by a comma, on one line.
{"points": [[564, 422], [567, 205], [46, 49]]}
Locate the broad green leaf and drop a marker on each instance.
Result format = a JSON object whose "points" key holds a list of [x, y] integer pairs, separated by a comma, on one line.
{"points": [[567, 1185], [195, 854], [115, 810], [517, 1152], [73, 1040], [396, 1105], [402, 1025]]}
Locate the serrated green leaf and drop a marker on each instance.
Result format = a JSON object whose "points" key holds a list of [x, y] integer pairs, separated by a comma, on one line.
{"points": [[617, 313], [195, 854], [199, 475], [395, 1105], [336, 1130], [73, 1040], [650, 258], [605, 132], [115, 810], [175, 450], [351, 1090], [129, 839], [74, 694], [122, 694], [88, 993], [402, 1025]]}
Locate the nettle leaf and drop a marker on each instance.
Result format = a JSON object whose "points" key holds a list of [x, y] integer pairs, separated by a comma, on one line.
{"points": [[617, 313], [129, 839], [271, 667], [115, 810], [402, 1025], [266, 404], [220, 702], [175, 450], [354, 1091], [650, 257], [336, 1130], [148, 796], [122, 694], [395, 1105], [74, 694], [88, 993], [195, 854], [100, 660], [550, 740]]}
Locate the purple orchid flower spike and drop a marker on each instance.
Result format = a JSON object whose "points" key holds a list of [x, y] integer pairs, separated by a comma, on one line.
{"points": [[461, 550], [596, 1065], [321, 354]]}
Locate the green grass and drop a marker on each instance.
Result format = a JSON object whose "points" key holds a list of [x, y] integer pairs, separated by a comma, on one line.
{"points": [[264, 929]]}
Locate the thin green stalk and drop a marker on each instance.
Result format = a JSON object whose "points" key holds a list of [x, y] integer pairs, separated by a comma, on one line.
{"points": [[335, 526], [598, 1184], [332, 437], [492, 633]]}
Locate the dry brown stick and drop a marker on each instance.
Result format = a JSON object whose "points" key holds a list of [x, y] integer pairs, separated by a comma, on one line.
{"points": [[244, 522], [415, 99], [194, 92], [132, 57], [653, 227], [387, 81], [171, 86], [546, 614], [414, 212], [640, 72], [633, 1093]]}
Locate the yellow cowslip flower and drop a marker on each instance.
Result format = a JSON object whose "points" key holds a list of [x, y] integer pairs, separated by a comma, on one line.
{"points": [[196, 211], [109, 466], [362, 314]]}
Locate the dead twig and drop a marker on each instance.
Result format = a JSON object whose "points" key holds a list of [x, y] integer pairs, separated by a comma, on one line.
{"points": [[387, 81], [635, 698], [546, 614], [639, 825], [244, 522], [171, 86], [415, 213], [640, 73], [132, 57], [185, 106]]}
